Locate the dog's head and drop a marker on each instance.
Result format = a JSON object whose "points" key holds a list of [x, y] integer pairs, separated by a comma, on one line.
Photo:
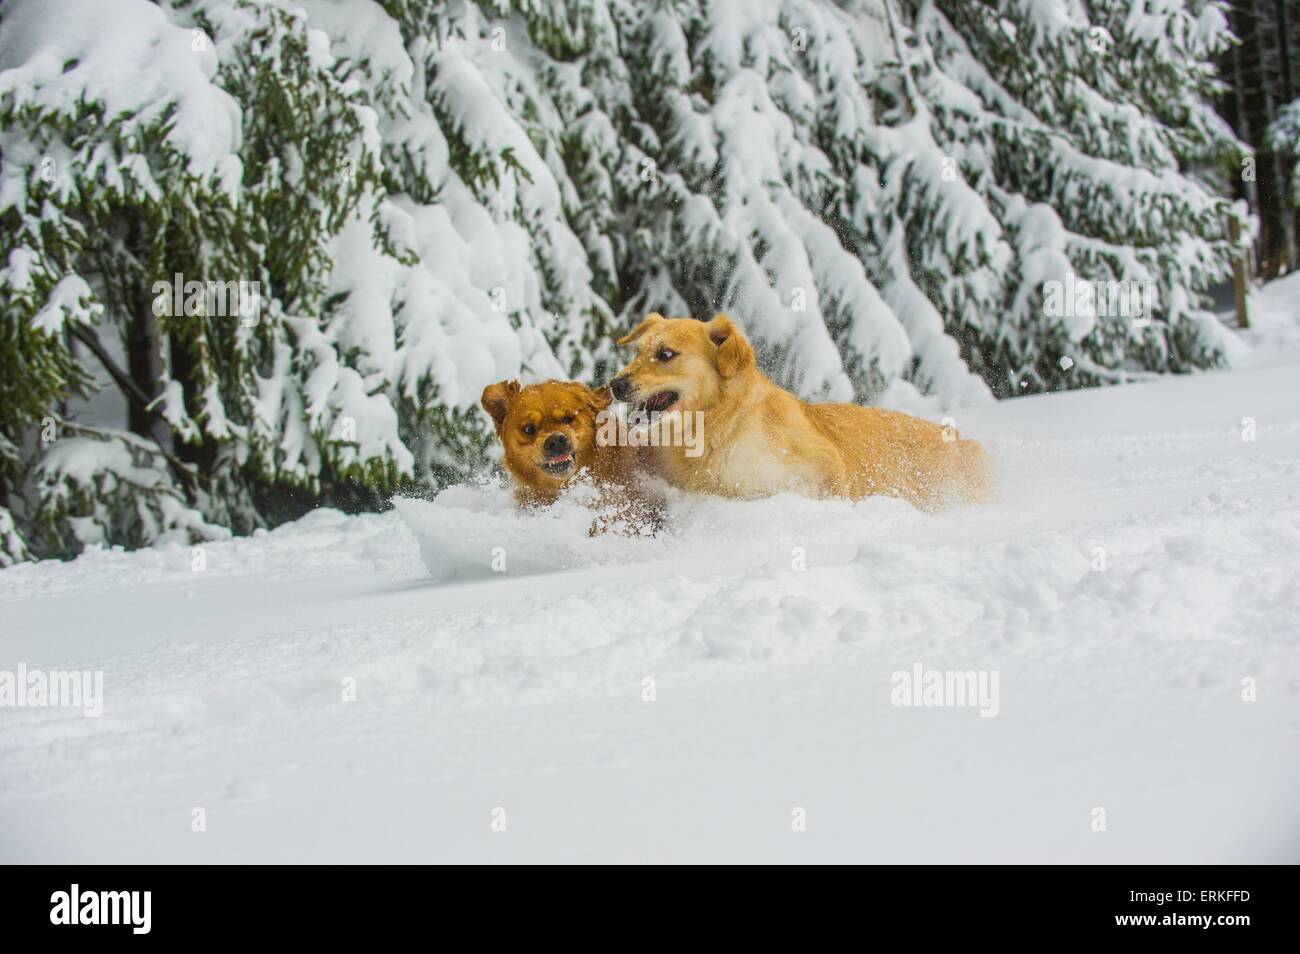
{"points": [[682, 363], [548, 430]]}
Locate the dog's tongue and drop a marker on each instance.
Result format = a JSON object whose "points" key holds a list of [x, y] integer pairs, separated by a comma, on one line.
{"points": [[658, 402]]}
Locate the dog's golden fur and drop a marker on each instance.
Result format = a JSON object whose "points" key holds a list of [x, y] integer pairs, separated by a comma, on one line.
{"points": [[525, 417], [760, 440]]}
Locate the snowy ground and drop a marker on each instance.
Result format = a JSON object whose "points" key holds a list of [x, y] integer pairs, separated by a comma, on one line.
{"points": [[1119, 688]]}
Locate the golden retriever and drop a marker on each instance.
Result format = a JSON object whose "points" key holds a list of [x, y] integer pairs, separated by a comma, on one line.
{"points": [[760, 440], [549, 435]]}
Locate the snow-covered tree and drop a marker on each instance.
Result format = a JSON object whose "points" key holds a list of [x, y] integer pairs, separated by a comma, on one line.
{"points": [[1284, 138], [1083, 126], [100, 158], [410, 199]]}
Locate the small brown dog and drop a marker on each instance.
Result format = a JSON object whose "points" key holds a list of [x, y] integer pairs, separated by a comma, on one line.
{"points": [[760, 440], [549, 434]]}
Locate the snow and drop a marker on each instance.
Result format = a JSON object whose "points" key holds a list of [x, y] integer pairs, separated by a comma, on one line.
{"points": [[69, 301], [1274, 334], [128, 472], [543, 167], [522, 690], [127, 55]]}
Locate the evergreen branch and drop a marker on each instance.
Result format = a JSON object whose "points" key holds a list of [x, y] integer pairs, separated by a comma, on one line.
{"points": [[123, 380]]}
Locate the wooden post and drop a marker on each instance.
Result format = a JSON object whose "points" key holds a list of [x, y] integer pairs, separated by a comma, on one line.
{"points": [[1240, 270]]}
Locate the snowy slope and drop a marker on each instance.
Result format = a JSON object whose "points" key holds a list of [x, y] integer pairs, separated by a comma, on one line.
{"points": [[522, 690], [1273, 329]]}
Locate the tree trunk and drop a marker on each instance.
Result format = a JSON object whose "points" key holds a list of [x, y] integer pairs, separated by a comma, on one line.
{"points": [[1240, 271], [145, 363]]}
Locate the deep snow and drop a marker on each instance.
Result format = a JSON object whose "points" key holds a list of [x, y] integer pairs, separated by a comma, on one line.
{"points": [[523, 690]]}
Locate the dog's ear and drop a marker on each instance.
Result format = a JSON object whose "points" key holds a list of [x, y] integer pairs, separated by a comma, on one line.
{"points": [[496, 400], [734, 352], [652, 320]]}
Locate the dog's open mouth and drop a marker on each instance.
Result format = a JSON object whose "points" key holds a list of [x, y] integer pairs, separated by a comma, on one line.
{"points": [[556, 466], [659, 401]]}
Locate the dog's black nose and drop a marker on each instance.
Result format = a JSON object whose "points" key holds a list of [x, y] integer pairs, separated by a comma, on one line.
{"points": [[557, 445], [622, 388]]}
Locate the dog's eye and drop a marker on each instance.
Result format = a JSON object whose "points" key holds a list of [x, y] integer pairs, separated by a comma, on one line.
{"points": [[530, 429], [665, 354], [569, 420]]}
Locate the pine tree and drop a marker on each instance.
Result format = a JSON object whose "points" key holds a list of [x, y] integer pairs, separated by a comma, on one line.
{"points": [[123, 196], [1089, 121], [94, 173]]}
